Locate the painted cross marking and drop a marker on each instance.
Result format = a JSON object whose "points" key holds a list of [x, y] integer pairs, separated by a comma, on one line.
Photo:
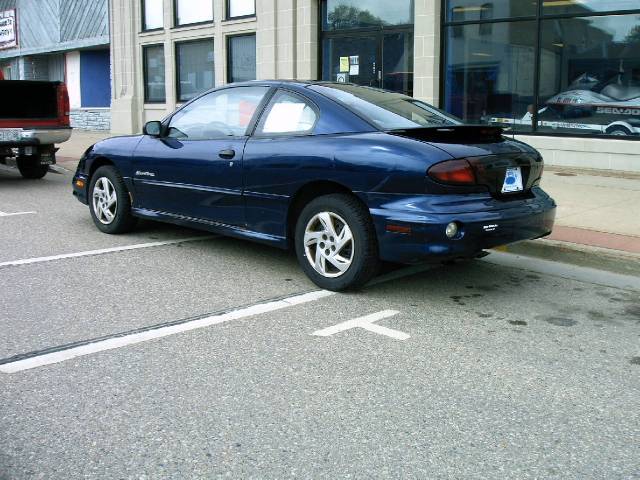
{"points": [[368, 323]]}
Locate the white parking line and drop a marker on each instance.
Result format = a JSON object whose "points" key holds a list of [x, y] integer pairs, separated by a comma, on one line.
{"points": [[28, 261], [366, 322], [143, 336], [4, 214]]}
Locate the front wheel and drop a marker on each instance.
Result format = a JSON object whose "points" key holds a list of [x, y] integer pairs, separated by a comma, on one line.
{"points": [[336, 242], [31, 168], [109, 201]]}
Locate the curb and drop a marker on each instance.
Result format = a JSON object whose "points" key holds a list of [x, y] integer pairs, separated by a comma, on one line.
{"points": [[615, 261]]}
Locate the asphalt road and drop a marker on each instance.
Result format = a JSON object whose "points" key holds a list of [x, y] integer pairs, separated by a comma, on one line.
{"points": [[497, 368]]}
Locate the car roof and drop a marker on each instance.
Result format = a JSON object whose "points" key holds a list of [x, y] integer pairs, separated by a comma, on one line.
{"points": [[300, 83]]}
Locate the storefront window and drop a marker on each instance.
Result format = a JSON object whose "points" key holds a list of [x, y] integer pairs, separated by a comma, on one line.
{"points": [[154, 89], [473, 10], [347, 14], [193, 11], [240, 8], [583, 80], [491, 77], [590, 75], [153, 14], [194, 63], [242, 58]]}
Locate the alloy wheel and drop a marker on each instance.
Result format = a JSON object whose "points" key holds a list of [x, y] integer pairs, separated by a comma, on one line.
{"points": [[105, 201], [328, 244]]}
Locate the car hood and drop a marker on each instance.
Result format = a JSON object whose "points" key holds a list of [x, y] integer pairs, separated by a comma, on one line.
{"points": [[123, 145]]}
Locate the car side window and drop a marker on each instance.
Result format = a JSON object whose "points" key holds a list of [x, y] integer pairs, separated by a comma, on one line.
{"points": [[218, 114], [288, 113]]}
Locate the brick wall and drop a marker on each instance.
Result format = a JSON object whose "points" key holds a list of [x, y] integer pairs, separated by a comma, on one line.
{"points": [[91, 119]]}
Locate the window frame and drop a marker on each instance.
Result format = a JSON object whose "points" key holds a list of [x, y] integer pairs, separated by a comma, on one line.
{"points": [[193, 24], [143, 27], [228, 39], [145, 73], [266, 109], [539, 18], [227, 11], [176, 67]]}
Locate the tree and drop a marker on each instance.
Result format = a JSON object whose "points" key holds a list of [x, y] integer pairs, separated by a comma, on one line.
{"points": [[347, 16]]}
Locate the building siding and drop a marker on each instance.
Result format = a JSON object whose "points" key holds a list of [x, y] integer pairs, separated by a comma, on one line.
{"points": [[81, 19], [56, 25]]}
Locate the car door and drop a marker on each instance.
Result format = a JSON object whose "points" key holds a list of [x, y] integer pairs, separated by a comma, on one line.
{"points": [[194, 169], [282, 152]]}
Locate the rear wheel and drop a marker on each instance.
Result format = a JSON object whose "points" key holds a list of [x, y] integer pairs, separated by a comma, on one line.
{"points": [[109, 202], [31, 168], [336, 242]]}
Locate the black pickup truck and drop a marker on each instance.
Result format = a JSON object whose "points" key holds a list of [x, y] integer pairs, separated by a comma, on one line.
{"points": [[34, 117]]}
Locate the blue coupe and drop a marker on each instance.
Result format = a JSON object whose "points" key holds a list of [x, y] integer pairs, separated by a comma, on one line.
{"points": [[347, 175]]}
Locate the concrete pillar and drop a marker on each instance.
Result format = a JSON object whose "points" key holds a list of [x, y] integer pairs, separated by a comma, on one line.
{"points": [[307, 40], [426, 47], [125, 102], [266, 40], [286, 38]]}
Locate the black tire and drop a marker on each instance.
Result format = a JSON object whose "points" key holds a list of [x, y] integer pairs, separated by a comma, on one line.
{"points": [[123, 220], [364, 263], [31, 168], [619, 131]]}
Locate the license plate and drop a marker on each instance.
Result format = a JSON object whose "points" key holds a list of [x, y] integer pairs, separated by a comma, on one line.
{"points": [[9, 134], [512, 180]]}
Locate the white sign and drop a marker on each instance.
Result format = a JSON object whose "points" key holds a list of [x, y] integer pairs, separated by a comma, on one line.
{"points": [[284, 117], [8, 29]]}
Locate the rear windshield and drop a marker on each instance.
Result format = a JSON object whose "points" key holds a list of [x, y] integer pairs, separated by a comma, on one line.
{"points": [[386, 110]]}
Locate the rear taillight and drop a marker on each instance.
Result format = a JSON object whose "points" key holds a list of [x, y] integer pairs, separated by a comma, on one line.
{"points": [[63, 105], [453, 172]]}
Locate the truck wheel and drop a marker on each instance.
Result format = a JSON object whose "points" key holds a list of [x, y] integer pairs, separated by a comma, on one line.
{"points": [[336, 242], [109, 202], [31, 168]]}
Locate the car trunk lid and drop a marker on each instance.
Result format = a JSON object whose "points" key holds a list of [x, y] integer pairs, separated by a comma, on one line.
{"points": [[489, 154]]}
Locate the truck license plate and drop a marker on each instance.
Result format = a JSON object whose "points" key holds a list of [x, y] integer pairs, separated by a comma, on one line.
{"points": [[9, 134]]}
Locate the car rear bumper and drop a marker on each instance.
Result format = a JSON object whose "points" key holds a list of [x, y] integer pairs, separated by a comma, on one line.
{"points": [[36, 136], [412, 229]]}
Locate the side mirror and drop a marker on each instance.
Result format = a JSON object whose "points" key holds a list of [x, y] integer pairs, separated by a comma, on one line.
{"points": [[153, 128]]}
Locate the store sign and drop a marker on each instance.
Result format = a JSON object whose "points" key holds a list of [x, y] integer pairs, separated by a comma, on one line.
{"points": [[8, 29]]}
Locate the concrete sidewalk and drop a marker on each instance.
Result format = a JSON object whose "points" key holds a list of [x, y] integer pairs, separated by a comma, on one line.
{"points": [[598, 209]]}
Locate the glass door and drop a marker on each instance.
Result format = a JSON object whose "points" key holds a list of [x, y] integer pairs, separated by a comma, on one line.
{"points": [[382, 59], [397, 62], [352, 58]]}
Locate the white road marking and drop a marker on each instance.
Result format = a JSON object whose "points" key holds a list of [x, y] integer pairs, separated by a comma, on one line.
{"points": [[4, 214], [118, 342], [366, 322], [28, 261]]}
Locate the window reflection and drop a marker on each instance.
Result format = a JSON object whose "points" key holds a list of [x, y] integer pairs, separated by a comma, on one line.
{"points": [[581, 7], [590, 75], [346, 14], [193, 11], [458, 10], [489, 79]]}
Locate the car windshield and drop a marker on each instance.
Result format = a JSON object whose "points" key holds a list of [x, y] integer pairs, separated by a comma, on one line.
{"points": [[386, 110]]}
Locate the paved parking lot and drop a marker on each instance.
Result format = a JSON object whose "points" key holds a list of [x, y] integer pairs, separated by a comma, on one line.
{"points": [[197, 356]]}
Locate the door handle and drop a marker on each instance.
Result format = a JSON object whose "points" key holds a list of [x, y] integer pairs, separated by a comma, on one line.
{"points": [[227, 153]]}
